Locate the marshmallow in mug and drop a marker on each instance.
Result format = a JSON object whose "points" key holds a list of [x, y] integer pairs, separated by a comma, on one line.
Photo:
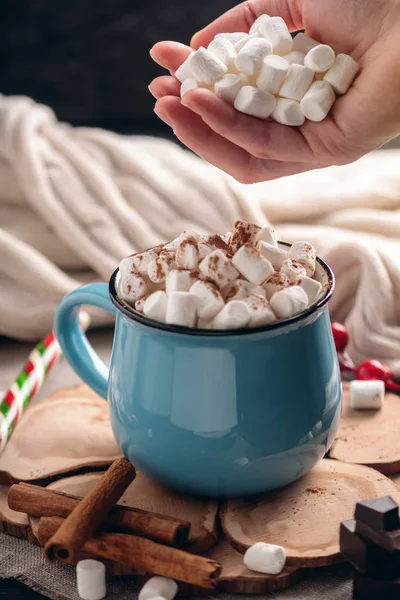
{"points": [[239, 279], [268, 74]]}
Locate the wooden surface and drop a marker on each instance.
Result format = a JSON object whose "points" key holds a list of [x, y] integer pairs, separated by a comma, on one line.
{"points": [[304, 517], [11, 522], [68, 432], [369, 437], [396, 479]]}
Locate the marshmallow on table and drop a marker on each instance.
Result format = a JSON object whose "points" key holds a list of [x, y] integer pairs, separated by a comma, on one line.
{"points": [[185, 71], [275, 255], [260, 311], [242, 233], [295, 57], [311, 287], [305, 254], [158, 587], [289, 302], [178, 281], [250, 57], [366, 394], [234, 315], [91, 579], [132, 287], [318, 101], [187, 253], [219, 268], [342, 73], [191, 84], [273, 71], [275, 31], [255, 28], [252, 265], [265, 558], [206, 67], [292, 269], [288, 112], [241, 43], [160, 266], [297, 82], [224, 50], [209, 299], [234, 37], [267, 234], [254, 102], [228, 86], [181, 309], [320, 58], [155, 306], [303, 43]]}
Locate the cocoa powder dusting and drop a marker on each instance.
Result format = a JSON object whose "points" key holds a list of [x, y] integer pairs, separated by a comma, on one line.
{"points": [[217, 242]]}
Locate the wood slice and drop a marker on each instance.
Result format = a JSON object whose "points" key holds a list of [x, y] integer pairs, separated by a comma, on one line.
{"points": [[11, 522], [369, 437], [148, 495], [395, 479], [304, 517], [72, 433]]}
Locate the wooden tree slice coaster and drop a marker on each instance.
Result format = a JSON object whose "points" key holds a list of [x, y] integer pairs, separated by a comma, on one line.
{"points": [[396, 479], [304, 517], [72, 433], [369, 437], [11, 522], [148, 495]]}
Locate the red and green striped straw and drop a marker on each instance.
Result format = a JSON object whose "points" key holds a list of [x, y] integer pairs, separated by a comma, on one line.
{"points": [[28, 383]]}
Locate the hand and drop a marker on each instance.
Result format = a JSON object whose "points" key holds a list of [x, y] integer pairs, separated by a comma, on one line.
{"points": [[252, 150]]}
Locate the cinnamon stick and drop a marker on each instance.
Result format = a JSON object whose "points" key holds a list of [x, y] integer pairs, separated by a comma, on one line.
{"points": [[140, 554], [91, 511], [43, 502]]}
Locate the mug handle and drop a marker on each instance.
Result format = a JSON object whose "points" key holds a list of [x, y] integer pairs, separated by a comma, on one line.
{"points": [[74, 343]]}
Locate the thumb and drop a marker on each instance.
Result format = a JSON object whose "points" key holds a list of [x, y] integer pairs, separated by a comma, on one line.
{"points": [[243, 16]]}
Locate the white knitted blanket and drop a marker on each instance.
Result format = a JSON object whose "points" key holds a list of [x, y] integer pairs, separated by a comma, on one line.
{"points": [[74, 201]]}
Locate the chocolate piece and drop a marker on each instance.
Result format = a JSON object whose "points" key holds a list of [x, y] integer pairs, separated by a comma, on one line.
{"points": [[389, 540], [367, 588], [365, 556], [381, 514]]}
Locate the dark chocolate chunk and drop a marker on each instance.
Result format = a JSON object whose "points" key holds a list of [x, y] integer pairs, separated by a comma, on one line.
{"points": [[381, 514], [389, 540], [365, 556], [368, 588]]}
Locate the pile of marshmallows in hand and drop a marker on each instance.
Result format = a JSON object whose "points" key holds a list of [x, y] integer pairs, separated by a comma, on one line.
{"points": [[266, 73], [241, 279]]}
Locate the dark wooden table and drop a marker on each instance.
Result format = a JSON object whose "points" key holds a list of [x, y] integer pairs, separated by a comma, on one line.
{"points": [[13, 590]]}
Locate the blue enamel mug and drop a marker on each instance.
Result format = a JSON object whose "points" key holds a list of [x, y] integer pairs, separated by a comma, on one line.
{"points": [[216, 413]]}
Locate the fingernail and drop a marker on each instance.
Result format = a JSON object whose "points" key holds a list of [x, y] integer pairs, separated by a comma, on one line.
{"points": [[154, 92], [163, 117]]}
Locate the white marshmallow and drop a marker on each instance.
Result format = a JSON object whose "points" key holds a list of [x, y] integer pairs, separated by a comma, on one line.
{"points": [[275, 31], [265, 558], [228, 86], [139, 304], [295, 58], [305, 254], [206, 67], [255, 28], [241, 43], [252, 265], [160, 266], [219, 268], [172, 246], [158, 587], [242, 233], [277, 282], [185, 71], [254, 102], [292, 269], [155, 306], [240, 289], [342, 73], [234, 315], [320, 58], [303, 43], [190, 84], [187, 253], [204, 250], [178, 281], [297, 82], [275, 255], [91, 579], [250, 57], [267, 234], [224, 50], [318, 101], [260, 311], [181, 309], [137, 263], [288, 112], [366, 394], [209, 299], [232, 37], [273, 71], [289, 301], [311, 287], [132, 287]]}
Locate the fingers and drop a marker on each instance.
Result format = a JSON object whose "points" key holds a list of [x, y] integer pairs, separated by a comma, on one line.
{"points": [[263, 139], [164, 86], [243, 16], [170, 55], [196, 135]]}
